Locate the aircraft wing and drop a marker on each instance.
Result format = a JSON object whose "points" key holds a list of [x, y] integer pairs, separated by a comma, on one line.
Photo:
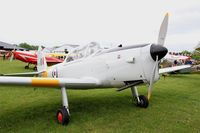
{"points": [[31, 74], [74, 83], [172, 69]]}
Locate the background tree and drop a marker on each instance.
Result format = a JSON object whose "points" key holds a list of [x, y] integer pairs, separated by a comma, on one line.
{"points": [[28, 46], [185, 52], [196, 55]]}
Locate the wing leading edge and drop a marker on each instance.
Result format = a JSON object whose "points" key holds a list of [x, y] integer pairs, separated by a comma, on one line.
{"points": [[51, 82]]}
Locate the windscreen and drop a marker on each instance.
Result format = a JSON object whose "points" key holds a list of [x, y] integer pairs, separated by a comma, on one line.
{"points": [[84, 51]]}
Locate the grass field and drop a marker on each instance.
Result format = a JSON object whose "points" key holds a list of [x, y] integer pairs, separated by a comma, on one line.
{"points": [[174, 107]]}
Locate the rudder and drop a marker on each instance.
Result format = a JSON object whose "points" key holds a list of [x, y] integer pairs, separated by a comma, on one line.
{"points": [[41, 60]]}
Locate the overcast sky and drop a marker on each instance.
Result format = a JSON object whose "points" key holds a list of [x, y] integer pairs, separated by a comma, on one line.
{"points": [[57, 22]]}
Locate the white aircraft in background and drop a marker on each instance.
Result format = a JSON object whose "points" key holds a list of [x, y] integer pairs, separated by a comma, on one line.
{"points": [[121, 67], [179, 58], [171, 60], [176, 57]]}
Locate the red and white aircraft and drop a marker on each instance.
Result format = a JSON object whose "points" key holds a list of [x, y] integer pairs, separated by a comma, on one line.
{"points": [[31, 58]]}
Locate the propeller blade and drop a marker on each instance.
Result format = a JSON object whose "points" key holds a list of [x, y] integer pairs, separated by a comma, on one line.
{"points": [[163, 31], [152, 78]]}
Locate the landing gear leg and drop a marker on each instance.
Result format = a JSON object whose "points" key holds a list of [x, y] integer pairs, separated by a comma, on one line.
{"points": [[63, 113], [141, 100]]}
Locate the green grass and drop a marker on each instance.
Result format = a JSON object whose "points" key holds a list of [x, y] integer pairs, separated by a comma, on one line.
{"points": [[174, 107]]}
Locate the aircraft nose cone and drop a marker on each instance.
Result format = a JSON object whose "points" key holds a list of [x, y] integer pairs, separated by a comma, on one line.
{"points": [[158, 50]]}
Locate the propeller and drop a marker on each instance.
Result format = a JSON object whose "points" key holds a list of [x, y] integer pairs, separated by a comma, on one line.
{"points": [[158, 51]]}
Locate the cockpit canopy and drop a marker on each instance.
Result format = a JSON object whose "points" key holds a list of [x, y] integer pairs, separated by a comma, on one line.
{"points": [[84, 51]]}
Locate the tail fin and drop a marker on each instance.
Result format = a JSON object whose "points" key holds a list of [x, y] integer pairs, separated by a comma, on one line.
{"points": [[41, 60]]}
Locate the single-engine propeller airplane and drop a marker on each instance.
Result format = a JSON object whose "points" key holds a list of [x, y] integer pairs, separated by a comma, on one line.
{"points": [[31, 58], [120, 67]]}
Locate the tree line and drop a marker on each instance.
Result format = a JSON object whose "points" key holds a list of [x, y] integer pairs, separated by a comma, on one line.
{"points": [[28, 46]]}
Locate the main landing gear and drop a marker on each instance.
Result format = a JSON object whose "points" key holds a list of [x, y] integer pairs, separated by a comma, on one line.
{"points": [[63, 115], [27, 67], [141, 101]]}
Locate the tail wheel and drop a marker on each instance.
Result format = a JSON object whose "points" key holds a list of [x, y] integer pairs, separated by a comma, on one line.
{"points": [[26, 67], [144, 102], [62, 116]]}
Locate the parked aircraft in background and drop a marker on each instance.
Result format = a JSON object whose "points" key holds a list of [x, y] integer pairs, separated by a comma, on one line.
{"points": [[60, 56], [176, 57], [31, 58], [121, 67], [175, 60], [4, 53]]}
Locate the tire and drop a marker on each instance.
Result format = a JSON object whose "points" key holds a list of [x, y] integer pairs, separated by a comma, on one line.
{"points": [[26, 67], [62, 116], [144, 102], [35, 68]]}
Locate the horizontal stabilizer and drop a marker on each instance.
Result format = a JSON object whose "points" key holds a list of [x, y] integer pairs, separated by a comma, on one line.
{"points": [[28, 74]]}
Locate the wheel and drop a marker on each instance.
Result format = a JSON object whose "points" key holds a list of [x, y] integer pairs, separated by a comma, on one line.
{"points": [[62, 116], [144, 102], [26, 67], [35, 68]]}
